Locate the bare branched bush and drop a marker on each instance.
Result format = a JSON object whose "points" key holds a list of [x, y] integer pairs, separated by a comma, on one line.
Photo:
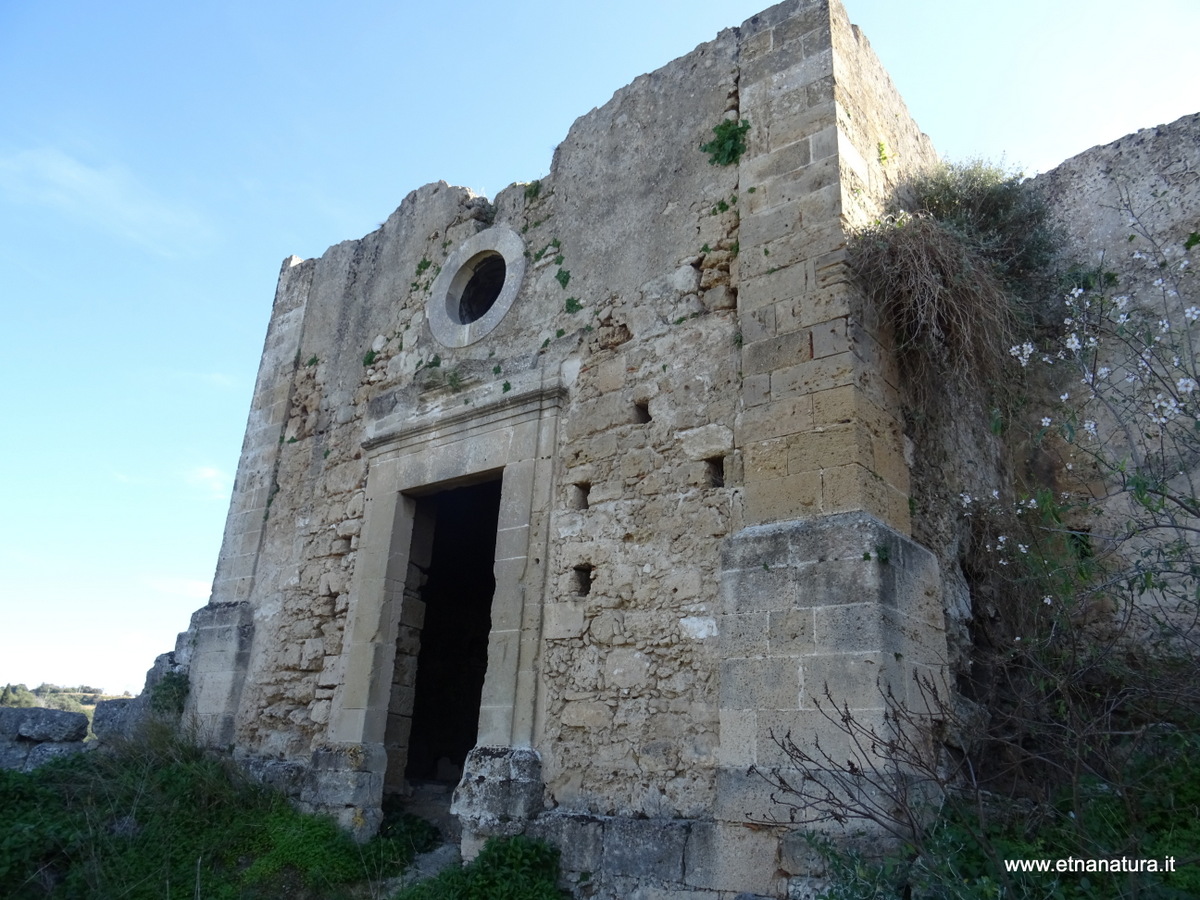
{"points": [[890, 774]]}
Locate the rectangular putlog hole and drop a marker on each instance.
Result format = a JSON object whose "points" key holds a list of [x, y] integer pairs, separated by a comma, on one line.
{"points": [[579, 495], [582, 579], [715, 471]]}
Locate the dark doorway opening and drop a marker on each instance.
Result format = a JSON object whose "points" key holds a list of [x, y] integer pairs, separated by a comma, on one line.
{"points": [[452, 660]]}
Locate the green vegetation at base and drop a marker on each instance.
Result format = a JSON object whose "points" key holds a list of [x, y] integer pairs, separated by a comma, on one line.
{"points": [[515, 868], [962, 854], [162, 818]]}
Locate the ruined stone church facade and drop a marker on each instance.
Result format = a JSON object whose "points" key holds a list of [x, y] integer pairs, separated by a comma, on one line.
{"points": [[578, 497]]}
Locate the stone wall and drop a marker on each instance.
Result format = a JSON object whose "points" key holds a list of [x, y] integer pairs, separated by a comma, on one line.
{"points": [[700, 483], [30, 737], [703, 495]]}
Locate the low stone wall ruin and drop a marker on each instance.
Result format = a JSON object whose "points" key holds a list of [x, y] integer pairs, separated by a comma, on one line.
{"points": [[32, 736]]}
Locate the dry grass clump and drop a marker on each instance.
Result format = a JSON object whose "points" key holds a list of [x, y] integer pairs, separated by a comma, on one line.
{"points": [[957, 275], [948, 309]]}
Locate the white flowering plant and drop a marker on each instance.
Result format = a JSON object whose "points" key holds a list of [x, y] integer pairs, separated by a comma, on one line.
{"points": [[1128, 431], [1080, 700]]}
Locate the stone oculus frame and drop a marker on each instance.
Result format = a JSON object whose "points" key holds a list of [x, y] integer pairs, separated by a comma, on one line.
{"points": [[445, 318], [513, 438]]}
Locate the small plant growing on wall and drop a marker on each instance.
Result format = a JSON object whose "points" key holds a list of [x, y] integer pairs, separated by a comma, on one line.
{"points": [[729, 144], [170, 693]]}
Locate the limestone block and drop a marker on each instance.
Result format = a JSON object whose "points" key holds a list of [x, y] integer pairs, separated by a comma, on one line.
{"points": [[845, 580], [339, 789], [739, 795], [495, 724], [41, 754], [828, 447], [349, 528], [563, 621], [607, 627], [14, 753], [586, 714], [797, 856], [757, 324], [39, 724], [626, 669], [499, 784], [788, 497], [857, 680], [853, 627], [756, 589], [731, 858], [739, 737], [856, 487], [814, 307], [512, 543], [698, 628], [645, 848], [801, 121], [766, 683], [580, 839], [319, 711], [809, 375], [775, 353], [312, 654], [782, 284], [744, 634], [115, 718], [719, 297], [793, 632], [816, 733], [707, 441], [775, 419]]}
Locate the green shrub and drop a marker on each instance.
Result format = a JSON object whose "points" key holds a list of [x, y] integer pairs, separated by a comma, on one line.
{"points": [[515, 868], [159, 818], [169, 693], [729, 144]]}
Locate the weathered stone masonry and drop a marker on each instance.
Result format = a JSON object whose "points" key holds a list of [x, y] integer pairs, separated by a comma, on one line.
{"points": [[702, 512]]}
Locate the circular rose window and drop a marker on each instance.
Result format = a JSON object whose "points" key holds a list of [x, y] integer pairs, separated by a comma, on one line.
{"points": [[477, 286]]}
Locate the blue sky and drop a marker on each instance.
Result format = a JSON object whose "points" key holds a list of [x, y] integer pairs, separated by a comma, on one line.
{"points": [[159, 161]]}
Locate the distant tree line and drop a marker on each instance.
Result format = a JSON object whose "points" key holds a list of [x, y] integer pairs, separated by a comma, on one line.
{"points": [[52, 696]]}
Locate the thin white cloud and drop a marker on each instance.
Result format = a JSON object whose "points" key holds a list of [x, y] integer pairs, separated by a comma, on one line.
{"points": [[109, 198], [217, 483]]}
